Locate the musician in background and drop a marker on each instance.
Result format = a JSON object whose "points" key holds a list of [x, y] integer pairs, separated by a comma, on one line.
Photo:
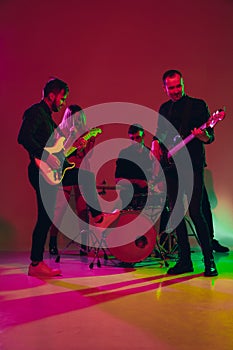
{"points": [[73, 123], [186, 114], [37, 132], [134, 168]]}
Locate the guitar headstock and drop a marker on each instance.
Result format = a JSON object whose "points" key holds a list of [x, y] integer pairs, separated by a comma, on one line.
{"points": [[216, 117], [95, 132]]}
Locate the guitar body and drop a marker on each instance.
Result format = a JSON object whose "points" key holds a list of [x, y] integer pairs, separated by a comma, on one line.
{"points": [[55, 176], [57, 147]]}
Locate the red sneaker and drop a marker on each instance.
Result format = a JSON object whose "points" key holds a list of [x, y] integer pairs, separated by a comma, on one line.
{"points": [[42, 270]]}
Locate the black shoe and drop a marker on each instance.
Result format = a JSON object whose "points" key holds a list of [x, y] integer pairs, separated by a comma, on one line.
{"points": [[218, 248], [83, 252], [210, 269], [181, 267], [126, 264], [53, 250]]}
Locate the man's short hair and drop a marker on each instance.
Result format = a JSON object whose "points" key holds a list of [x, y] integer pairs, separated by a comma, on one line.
{"points": [[55, 85], [134, 128], [170, 73]]}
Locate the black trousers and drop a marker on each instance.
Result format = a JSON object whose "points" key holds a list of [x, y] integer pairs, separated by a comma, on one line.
{"points": [[46, 199], [198, 216], [206, 209]]}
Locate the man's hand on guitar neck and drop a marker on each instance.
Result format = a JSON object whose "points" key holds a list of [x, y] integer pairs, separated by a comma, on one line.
{"points": [[200, 134], [80, 144]]}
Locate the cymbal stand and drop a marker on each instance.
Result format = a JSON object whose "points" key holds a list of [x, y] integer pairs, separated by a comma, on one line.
{"points": [[91, 241], [102, 245], [166, 241], [166, 244]]}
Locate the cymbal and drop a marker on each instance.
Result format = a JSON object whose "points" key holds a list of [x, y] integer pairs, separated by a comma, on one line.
{"points": [[109, 187], [119, 187]]}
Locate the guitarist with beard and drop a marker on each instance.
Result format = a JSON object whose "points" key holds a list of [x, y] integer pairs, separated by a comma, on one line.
{"points": [[186, 114], [38, 135]]}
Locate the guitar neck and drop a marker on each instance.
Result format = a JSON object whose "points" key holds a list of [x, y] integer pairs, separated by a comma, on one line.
{"points": [[68, 145], [72, 148], [180, 145], [183, 143], [87, 136]]}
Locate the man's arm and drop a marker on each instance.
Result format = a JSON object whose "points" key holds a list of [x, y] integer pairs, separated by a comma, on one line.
{"points": [[31, 135], [206, 135]]}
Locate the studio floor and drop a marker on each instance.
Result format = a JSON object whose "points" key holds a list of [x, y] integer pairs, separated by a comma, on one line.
{"points": [[113, 307]]}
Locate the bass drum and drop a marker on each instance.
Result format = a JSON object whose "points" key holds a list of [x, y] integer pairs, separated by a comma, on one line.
{"points": [[141, 243]]}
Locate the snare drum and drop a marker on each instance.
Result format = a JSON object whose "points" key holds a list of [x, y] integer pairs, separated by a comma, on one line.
{"points": [[135, 234]]}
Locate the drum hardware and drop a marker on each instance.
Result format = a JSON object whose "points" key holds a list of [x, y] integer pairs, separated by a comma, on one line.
{"points": [[141, 247], [109, 187], [166, 245], [101, 246], [91, 242], [163, 244], [103, 192], [138, 248], [166, 241]]}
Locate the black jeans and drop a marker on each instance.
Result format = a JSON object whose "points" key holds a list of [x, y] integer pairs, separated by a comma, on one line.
{"points": [[195, 208], [46, 199], [206, 209]]}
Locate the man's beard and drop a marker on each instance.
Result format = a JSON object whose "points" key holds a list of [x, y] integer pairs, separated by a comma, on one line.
{"points": [[55, 108]]}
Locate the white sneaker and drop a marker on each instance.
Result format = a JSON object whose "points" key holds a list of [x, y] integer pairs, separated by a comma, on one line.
{"points": [[107, 219], [42, 270]]}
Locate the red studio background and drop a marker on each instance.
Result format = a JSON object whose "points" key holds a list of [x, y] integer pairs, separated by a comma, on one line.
{"points": [[112, 51]]}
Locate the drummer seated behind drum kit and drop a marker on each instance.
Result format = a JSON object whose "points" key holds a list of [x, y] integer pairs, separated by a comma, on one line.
{"points": [[140, 206], [134, 166]]}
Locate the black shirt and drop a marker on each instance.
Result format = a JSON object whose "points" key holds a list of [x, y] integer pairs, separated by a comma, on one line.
{"points": [[36, 129], [185, 115], [134, 164]]}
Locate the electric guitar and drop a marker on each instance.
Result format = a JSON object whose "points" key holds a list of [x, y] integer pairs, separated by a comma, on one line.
{"points": [[211, 122], [80, 145], [62, 150]]}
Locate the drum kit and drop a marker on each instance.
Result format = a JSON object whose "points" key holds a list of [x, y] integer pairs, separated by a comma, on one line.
{"points": [[135, 235]]}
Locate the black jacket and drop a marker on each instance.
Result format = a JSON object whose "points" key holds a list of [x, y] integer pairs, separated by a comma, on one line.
{"points": [[36, 129], [185, 115]]}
